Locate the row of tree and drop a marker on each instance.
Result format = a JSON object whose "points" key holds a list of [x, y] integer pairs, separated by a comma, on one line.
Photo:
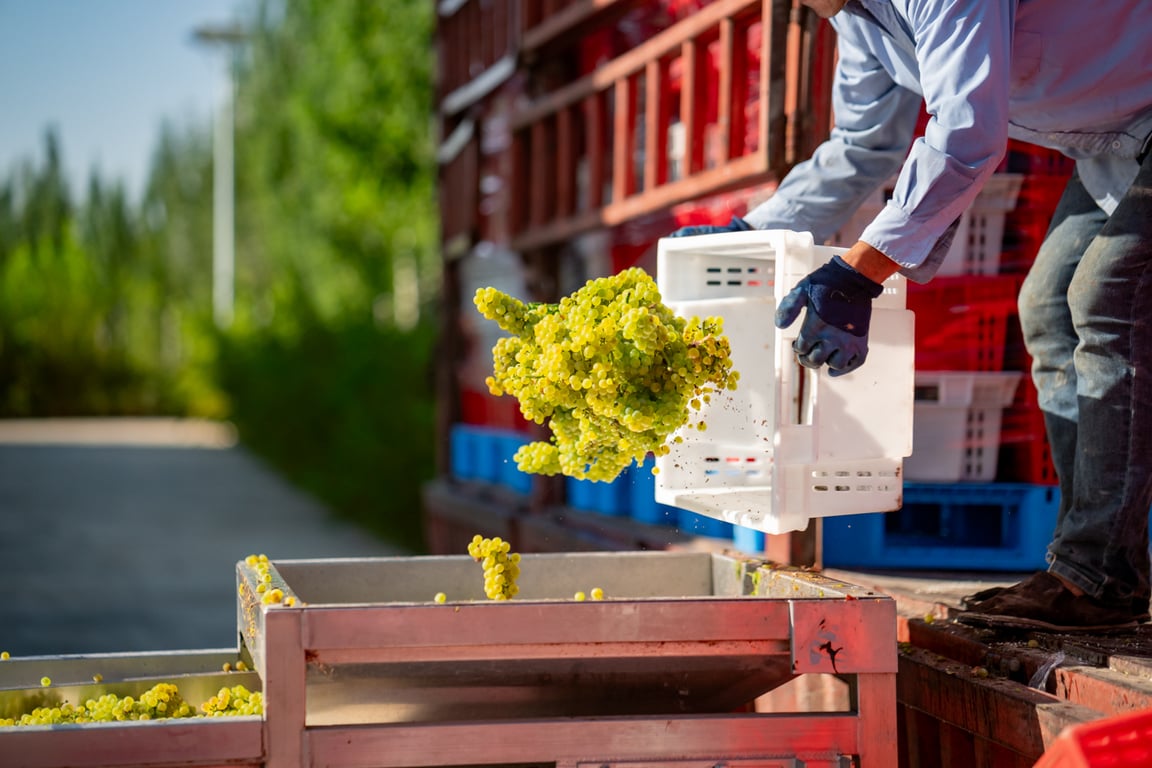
{"points": [[106, 302]]}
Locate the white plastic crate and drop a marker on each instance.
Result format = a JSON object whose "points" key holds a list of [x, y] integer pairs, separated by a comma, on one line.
{"points": [[790, 443], [980, 237], [956, 429]]}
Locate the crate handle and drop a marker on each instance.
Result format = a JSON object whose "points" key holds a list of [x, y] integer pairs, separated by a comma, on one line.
{"points": [[798, 386]]}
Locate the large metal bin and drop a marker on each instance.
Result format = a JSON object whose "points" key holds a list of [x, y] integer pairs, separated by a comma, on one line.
{"points": [[367, 670], [185, 742]]}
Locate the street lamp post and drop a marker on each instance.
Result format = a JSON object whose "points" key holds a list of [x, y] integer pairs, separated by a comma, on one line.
{"points": [[228, 37]]}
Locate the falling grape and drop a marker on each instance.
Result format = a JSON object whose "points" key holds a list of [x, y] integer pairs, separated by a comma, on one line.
{"points": [[501, 566]]}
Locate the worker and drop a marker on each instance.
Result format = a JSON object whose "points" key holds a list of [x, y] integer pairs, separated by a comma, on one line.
{"points": [[1062, 74]]}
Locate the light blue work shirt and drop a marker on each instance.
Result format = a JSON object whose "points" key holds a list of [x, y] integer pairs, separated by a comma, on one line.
{"points": [[1072, 75]]}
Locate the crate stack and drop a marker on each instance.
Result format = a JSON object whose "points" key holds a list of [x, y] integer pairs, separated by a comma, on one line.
{"points": [[979, 487]]}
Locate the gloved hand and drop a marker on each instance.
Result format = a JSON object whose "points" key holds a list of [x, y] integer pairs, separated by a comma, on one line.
{"points": [[835, 329], [736, 225]]}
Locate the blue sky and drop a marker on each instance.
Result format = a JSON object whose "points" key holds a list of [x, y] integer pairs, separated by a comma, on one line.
{"points": [[106, 73]]}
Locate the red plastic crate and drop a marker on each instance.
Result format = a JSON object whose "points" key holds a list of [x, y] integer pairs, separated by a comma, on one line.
{"points": [[1027, 224], [1121, 741], [482, 409], [1025, 455], [1031, 159], [962, 321]]}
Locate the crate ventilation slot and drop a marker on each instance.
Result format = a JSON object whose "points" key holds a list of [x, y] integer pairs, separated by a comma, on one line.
{"points": [[733, 466], [753, 277], [852, 481]]}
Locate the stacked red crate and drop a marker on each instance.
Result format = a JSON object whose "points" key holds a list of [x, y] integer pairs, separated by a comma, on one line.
{"points": [[1025, 455], [962, 321]]}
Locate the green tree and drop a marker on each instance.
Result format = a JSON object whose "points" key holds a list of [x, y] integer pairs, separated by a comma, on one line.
{"points": [[327, 366]]}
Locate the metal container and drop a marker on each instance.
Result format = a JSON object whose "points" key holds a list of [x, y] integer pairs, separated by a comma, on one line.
{"points": [[374, 672], [175, 742], [364, 668]]}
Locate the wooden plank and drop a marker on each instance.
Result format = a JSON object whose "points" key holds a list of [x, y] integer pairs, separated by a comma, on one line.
{"points": [[565, 163], [690, 89], [560, 22], [1009, 714], [738, 85], [1104, 690], [623, 133], [539, 165], [923, 740], [957, 747], [773, 81], [655, 144], [724, 151], [595, 129], [633, 62], [740, 173]]}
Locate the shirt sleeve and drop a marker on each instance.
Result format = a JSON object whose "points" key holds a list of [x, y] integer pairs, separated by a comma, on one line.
{"points": [[963, 48], [874, 122], [962, 52]]}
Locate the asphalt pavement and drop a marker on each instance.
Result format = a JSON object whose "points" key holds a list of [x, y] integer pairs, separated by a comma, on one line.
{"points": [[123, 535]]}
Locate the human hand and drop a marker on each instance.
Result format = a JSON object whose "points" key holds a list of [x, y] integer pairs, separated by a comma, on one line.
{"points": [[736, 225], [835, 328]]}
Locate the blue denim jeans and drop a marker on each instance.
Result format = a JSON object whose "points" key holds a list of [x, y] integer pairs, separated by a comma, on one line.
{"points": [[1086, 313]]}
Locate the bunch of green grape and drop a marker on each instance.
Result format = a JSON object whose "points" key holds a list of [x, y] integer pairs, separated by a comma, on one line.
{"points": [[611, 370], [236, 700], [161, 701], [501, 566]]}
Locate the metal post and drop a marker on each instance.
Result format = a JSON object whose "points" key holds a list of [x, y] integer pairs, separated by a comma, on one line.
{"points": [[229, 37], [223, 211]]}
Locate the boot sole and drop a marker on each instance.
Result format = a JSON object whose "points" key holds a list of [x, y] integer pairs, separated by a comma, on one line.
{"points": [[1016, 622]]}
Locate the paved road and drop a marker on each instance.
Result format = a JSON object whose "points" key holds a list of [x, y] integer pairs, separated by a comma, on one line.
{"points": [[123, 535]]}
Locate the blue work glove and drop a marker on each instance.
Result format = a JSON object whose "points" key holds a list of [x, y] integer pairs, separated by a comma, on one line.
{"points": [[736, 225], [835, 329]]}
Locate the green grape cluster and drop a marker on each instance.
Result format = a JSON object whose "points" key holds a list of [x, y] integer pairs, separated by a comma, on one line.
{"points": [[611, 369], [501, 566], [236, 700], [161, 701]]}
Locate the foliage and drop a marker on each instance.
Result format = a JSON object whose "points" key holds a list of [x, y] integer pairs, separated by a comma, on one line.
{"points": [[106, 303], [333, 408]]}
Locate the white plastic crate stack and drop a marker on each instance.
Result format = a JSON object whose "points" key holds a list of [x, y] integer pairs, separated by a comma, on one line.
{"points": [[979, 238], [790, 444], [957, 424]]}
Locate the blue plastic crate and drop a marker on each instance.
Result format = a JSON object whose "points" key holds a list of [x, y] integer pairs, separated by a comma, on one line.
{"points": [[703, 525], [485, 454], [961, 526], [606, 498], [642, 497], [748, 540], [508, 474], [462, 452]]}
